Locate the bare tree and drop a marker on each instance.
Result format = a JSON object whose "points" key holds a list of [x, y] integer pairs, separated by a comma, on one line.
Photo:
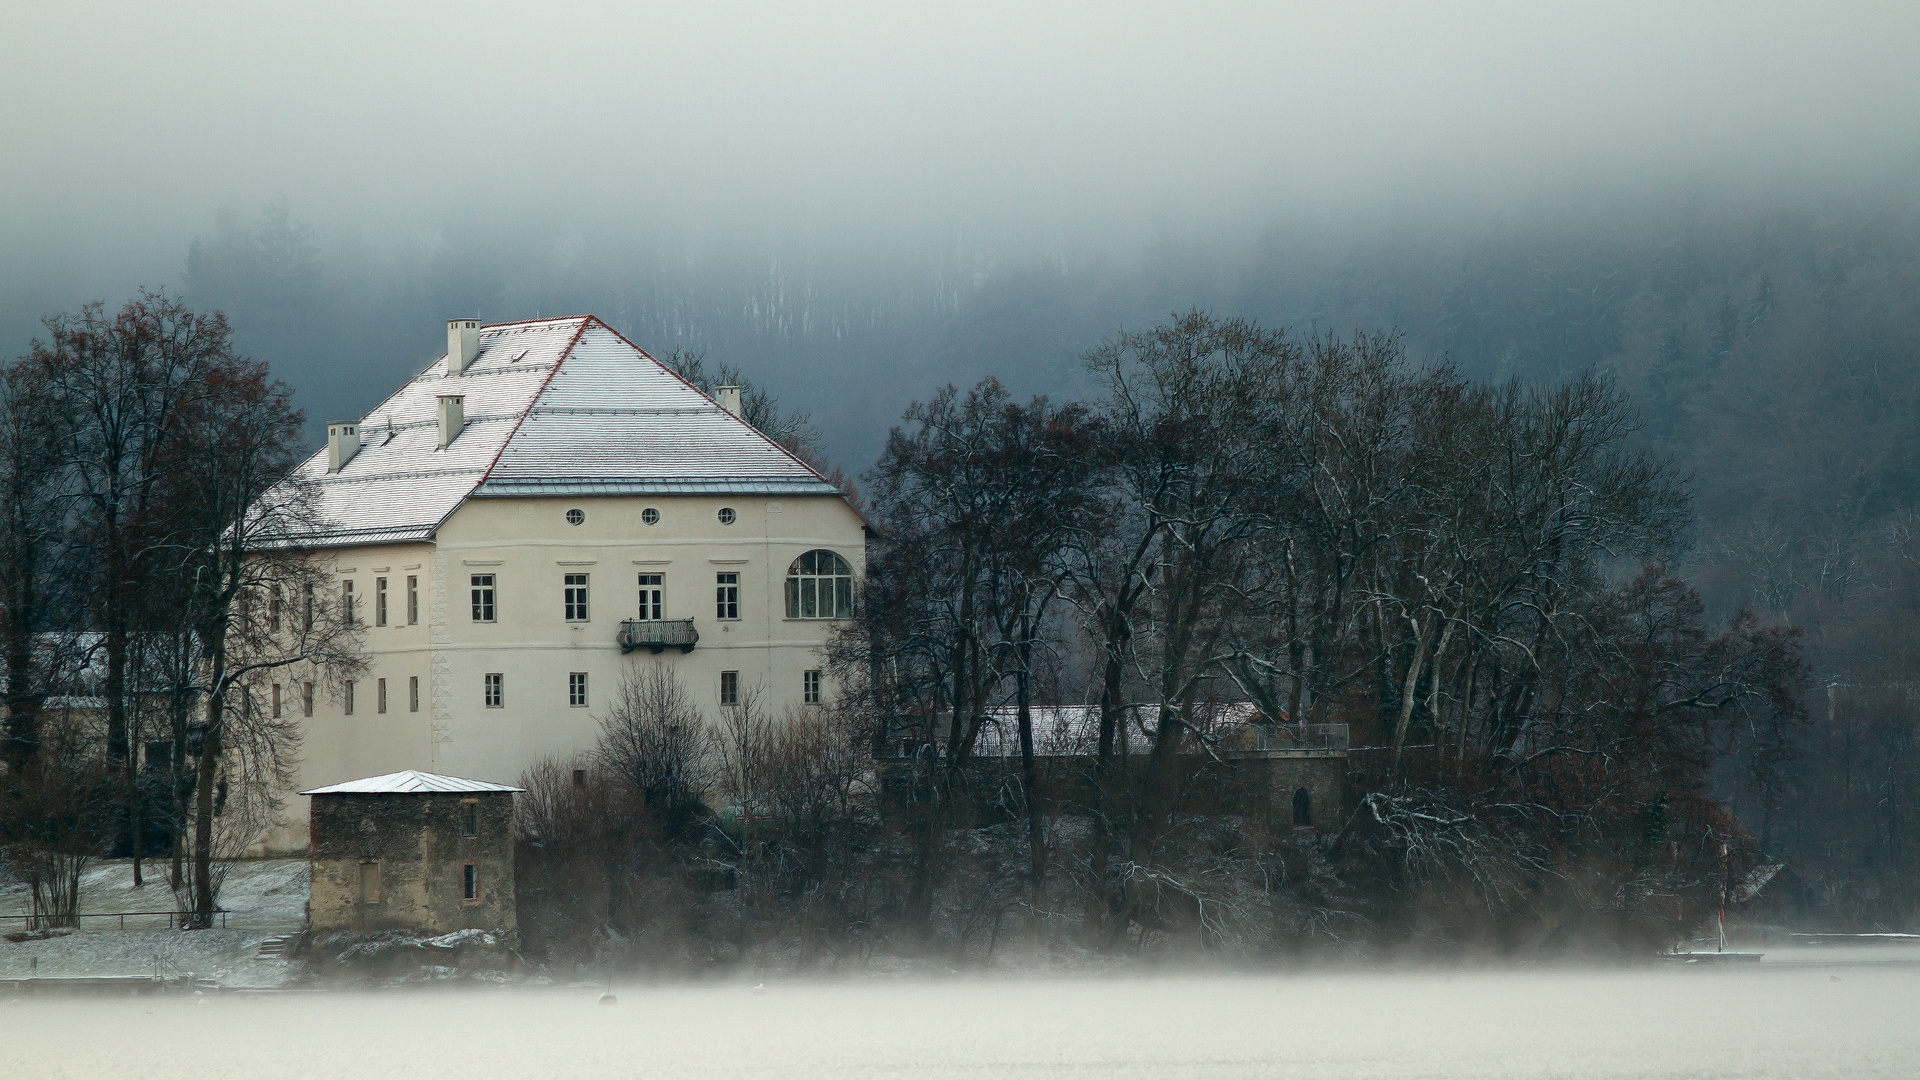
{"points": [[124, 386], [31, 480], [655, 740], [975, 496], [55, 818]]}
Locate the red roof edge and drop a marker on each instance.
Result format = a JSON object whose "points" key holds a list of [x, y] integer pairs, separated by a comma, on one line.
{"points": [[585, 321], [742, 420]]}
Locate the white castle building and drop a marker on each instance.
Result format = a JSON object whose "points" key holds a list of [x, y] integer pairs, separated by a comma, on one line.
{"points": [[541, 512]]}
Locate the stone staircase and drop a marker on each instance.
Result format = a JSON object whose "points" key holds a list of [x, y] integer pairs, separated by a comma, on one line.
{"points": [[275, 948]]}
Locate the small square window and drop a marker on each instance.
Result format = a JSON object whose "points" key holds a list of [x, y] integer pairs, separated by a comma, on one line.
{"points": [[810, 687], [494, 697], [729, 688], [577, 689]]}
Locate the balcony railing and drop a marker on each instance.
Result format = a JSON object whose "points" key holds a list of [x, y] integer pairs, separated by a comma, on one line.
{"points": [[657, 635]]}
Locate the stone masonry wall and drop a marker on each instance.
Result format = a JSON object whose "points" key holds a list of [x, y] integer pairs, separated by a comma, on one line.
{"points": [[416, 841]]}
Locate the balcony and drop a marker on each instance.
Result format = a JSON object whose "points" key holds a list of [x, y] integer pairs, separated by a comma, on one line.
{"points": [[657, 635]]}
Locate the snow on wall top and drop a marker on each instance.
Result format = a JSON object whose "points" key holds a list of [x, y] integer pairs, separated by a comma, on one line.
{"points": [[553, 407]]}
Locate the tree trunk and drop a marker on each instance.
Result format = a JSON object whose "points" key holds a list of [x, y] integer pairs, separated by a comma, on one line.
{"points": [[1111, 675], [1036, 831], [203, 829], [206, 770]]}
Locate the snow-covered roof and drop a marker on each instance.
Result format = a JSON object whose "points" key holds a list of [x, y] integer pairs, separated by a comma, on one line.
{"points": [[411, 782], [553, 407]]}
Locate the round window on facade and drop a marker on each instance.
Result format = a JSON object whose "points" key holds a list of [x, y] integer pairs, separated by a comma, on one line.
{"points": [[575, 517], [726, 515], [650, 516]]}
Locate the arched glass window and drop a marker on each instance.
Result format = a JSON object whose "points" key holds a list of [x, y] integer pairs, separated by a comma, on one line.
{"points": [[819, 586]]}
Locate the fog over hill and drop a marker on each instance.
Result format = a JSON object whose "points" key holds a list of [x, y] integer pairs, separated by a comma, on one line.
{"points": [[855, 204]]}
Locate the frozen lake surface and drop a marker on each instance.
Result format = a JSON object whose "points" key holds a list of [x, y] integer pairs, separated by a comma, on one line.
{"points": [[1770, 1022]]}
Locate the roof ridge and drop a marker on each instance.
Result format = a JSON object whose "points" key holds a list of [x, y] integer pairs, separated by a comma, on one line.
{"points": [[526, 322], [532, 402]]}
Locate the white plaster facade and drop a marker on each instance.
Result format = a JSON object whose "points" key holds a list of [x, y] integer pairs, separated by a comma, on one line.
{"points": [[423, 702]]}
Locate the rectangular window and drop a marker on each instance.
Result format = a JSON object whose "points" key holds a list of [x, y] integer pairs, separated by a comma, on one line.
{"points": [[577, 689], [729, 688], [347, 697], [306, 624], [276, 700], [810, 687], [494, 697], [483, 598], [273, 610], [413, 600], [470, 819], [469, 882], [380, 695], [413, 693], [380, 601], [306, 699], [650, 602], [346, 602], [576, 597], [727, 596], [369, 882]]}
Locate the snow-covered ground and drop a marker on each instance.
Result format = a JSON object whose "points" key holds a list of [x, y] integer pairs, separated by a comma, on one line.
{"points": [[264, 898]]}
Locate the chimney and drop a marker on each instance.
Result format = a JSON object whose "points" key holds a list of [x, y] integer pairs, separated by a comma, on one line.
{"points": [[730, 399], [343, 441], [463, 344], [453, 417]]}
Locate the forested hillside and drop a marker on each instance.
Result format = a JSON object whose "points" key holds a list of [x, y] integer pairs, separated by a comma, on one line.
{"points": [[1772, 350]]}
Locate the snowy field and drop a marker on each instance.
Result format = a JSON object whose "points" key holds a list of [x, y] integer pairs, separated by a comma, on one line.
{"points": [[264, 898], [1667, 1022]]}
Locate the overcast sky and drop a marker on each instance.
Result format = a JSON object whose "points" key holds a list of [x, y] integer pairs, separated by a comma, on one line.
{"points": [[124, 121]]}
